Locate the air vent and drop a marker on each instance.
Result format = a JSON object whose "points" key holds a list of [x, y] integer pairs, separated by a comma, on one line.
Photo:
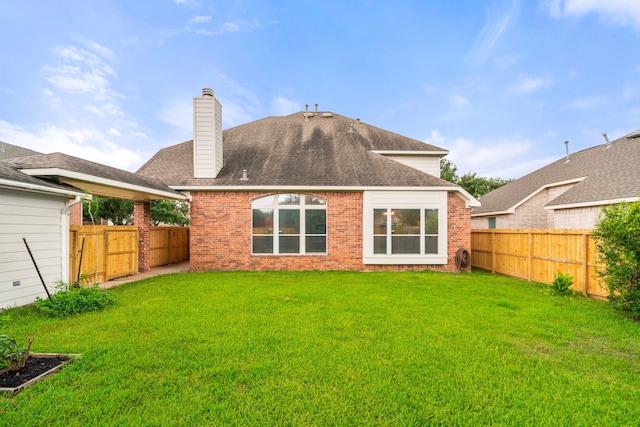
{"points": [[327, 115]]}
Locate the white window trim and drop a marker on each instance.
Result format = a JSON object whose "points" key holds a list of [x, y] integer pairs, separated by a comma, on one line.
{"points": [[302, 208], [404, 200]]}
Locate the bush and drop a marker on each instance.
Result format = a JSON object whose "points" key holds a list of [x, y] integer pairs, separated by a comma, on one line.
{"points": [[617, 237], [74, 300], [12, 357], [561, 284]]}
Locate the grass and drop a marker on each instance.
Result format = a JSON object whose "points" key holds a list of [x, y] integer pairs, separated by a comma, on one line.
{"points": [[338, 348]]}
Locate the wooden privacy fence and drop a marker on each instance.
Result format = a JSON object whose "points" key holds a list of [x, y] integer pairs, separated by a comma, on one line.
{"points": [[537, 255], [107, 252]]}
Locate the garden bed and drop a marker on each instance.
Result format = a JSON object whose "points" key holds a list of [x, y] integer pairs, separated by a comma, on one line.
{"points": [[38, 367]]}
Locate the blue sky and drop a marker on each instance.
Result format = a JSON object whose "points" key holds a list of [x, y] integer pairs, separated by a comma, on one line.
{"points": [[500, 83]]}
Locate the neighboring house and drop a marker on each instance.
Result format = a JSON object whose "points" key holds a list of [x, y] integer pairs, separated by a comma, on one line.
{"points": [[36, 194], [313, 190], [569, 193]]}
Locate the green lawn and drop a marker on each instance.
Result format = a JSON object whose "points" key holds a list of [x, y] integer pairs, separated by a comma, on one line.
{"points": [[338, 348]]}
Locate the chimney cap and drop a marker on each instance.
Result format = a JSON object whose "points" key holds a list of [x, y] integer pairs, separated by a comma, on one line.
{"points": [[207, 91]]}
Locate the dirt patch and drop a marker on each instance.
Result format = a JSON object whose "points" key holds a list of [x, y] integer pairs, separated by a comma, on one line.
{"points": [[36, 366]]}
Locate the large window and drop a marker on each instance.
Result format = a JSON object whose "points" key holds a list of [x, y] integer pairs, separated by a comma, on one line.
{"points": [[405, 227], [405, 231], [289, 224]]}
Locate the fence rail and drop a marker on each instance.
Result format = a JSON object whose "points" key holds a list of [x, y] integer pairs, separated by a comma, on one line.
{"points": [[537, 255], [107, 252]]}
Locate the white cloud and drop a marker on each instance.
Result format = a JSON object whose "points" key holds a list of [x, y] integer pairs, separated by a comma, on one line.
{"points": [[459, 100], [197, 19], [87, 143], [496, 25], [78, 71], [499, 157], [281, 106], [179, 114], [586, 103], [114, 131], [528, 84], [615, 12]]}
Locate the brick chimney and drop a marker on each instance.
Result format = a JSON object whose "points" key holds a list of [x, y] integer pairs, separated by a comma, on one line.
{"points": [[207, 135]]}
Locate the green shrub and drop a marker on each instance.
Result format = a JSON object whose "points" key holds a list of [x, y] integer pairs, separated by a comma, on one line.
{"points": [[561, 284], [617, 237], [71, 300], [12, 357]]}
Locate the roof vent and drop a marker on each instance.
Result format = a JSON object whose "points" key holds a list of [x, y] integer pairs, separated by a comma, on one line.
{"points": [[327, 115], [606, 138], [350, 128], [244, 175], [634, 135], [207, 91], [316, 108], [566, 144]]}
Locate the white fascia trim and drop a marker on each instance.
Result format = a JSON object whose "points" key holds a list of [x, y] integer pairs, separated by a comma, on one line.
{"points": [[410, 153], [469, 199], [63, 173], [592, 204], [5, 183], [509, 211], [544, 187], [513, 208]]}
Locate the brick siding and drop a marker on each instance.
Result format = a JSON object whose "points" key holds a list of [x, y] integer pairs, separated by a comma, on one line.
{"points": [[221, 235], [142, 218]]}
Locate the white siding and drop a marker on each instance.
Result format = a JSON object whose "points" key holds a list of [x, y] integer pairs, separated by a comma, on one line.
{"points": [[207, 137], [37, 218], [426, 164], [404, 200]]}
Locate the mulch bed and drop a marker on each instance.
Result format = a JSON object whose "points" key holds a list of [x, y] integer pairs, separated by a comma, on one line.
{"points": [[36, 365]]}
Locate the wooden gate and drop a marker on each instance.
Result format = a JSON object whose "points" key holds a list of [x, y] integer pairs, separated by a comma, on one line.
{"points": [[102, 252]]}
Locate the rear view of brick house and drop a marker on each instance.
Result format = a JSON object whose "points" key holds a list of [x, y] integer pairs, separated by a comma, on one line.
{"points": [[313, 190]]}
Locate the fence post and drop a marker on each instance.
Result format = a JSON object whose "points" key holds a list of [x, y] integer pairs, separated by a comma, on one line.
{"points": [[585, 262], [493, 252]]}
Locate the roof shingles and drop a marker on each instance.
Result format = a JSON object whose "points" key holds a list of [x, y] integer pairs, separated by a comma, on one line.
{"points": [[331, 151]]}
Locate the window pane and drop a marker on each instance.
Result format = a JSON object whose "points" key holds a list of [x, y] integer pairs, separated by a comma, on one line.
{"points": [[264, 201], [263, 221], [313, 200], [405, 245], [289, 221], [405, 221], [492, 222], [380, 245], [316, 221], [289, 244], [316, 244], [263, 244], [289, 199], [431, 221], [431, 245], [379, 221]]}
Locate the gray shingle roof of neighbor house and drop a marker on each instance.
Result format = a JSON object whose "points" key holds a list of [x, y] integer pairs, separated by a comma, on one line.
{"points": [[327, 150], [603, 174], [90, 176]]}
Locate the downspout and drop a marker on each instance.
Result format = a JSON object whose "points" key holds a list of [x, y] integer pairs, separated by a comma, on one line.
{"points": [[64, 238]]}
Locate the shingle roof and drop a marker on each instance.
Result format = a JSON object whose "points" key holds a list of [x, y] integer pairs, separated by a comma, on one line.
{"points": [[279, 151], [8, 151], [605, 174], [9, 173]]}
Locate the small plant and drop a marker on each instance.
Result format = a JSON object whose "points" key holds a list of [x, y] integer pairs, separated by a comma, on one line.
{"points": [[70, 300], [12, 357], [561, 284]]}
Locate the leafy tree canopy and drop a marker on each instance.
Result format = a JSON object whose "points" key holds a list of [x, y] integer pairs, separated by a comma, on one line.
{"points": [[474, 184], [120, 212]]}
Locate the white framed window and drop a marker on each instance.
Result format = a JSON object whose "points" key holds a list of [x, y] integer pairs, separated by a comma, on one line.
{"points": [[405, 227], [288, 224]]}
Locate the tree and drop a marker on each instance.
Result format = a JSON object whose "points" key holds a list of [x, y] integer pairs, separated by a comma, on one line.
{"points": [[474, 184], [169, 212], [617, 237], [120, 212]]}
